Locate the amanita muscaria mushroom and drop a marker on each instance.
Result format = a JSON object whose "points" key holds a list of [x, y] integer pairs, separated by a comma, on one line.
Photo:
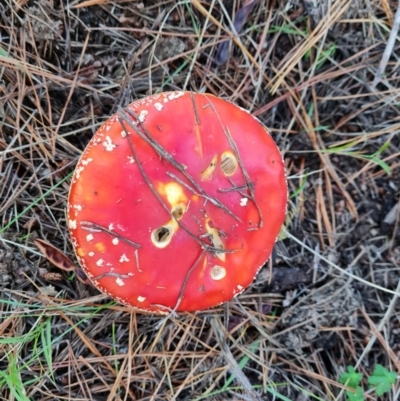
{"points": [[176, 202]]}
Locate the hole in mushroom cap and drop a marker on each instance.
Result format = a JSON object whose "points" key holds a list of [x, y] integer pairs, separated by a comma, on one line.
{"points": [[218, 272], [178, 211], [229, 163], [161, 236]]}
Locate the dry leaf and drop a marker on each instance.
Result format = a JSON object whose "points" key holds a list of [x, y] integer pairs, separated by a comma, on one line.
{"points": [[60, 260], [222, 55], [54, 255]]}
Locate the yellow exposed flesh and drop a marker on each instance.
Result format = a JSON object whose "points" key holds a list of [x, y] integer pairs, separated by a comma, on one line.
{"points": [[100, 247], [207, 173], [218, 273], [174, 193], [216, 240]]}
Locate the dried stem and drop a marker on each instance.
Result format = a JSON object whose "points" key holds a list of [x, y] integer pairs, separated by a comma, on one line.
{"points": [[182, 290], [145, 135], [235, 188], [181, 182], [160, 200], [111, 274], [93, 227], [249, 184]]}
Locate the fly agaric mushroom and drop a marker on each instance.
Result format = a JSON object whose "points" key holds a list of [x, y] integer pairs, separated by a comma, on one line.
{"points": [[176, 202]]}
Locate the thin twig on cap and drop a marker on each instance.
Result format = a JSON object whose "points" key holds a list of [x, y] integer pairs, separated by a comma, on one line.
{"points": [[93, 227], [140, 130]]}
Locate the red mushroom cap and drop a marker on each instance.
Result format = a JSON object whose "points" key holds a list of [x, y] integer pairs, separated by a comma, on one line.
{"points": [[177, 202]]}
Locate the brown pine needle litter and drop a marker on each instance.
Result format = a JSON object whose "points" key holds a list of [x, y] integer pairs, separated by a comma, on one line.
{"points": [[323, 76]]}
